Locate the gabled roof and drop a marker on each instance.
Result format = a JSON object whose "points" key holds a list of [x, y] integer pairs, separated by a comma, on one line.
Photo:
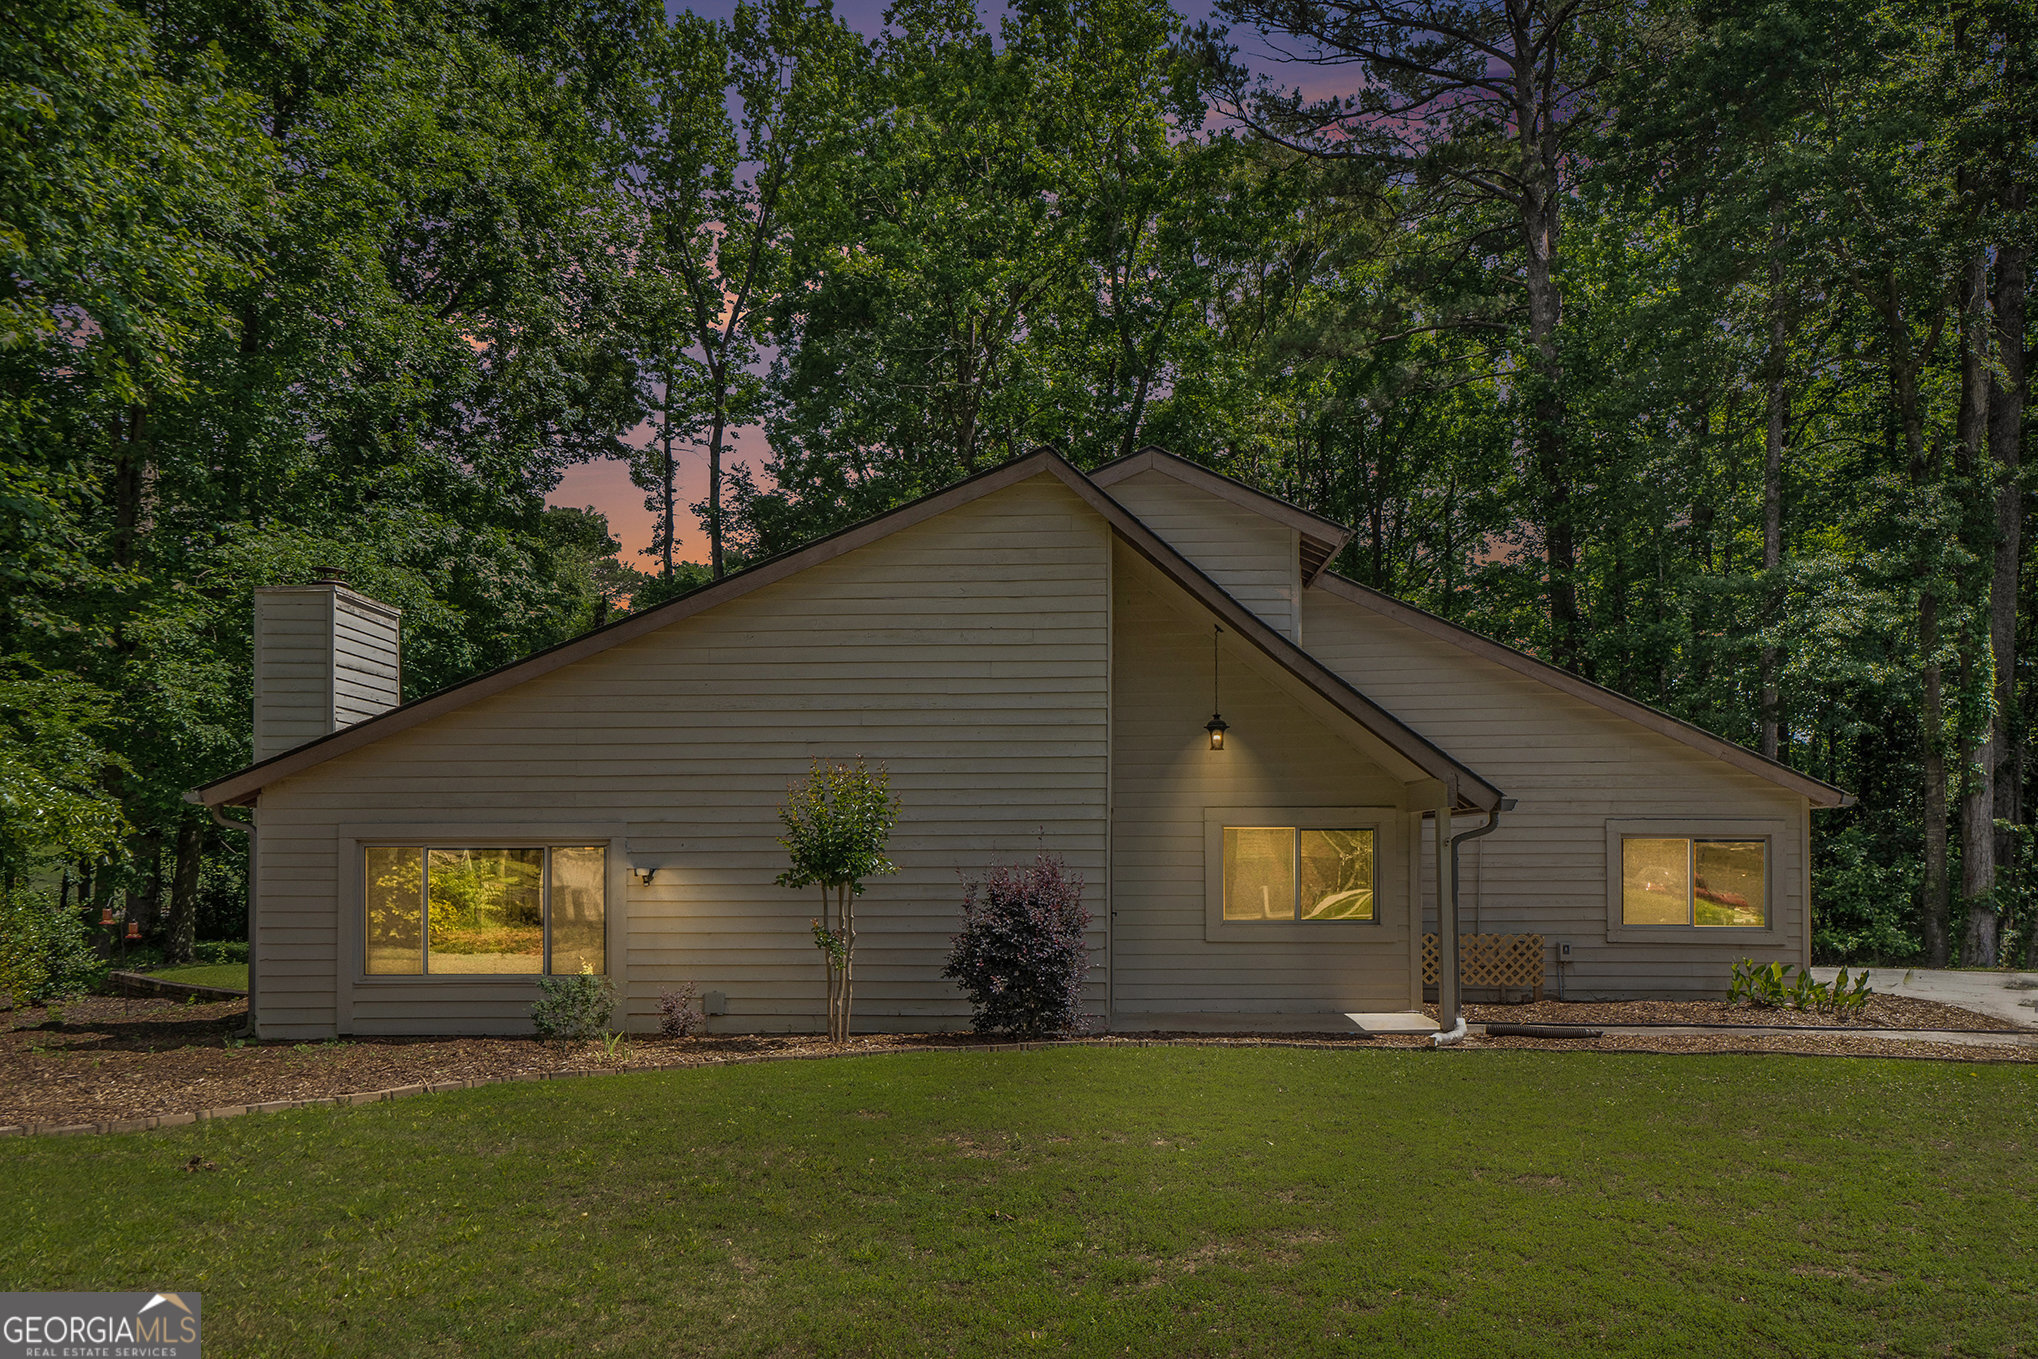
{"points": [[1462, 785], [1322, 538], [1822, 794]]}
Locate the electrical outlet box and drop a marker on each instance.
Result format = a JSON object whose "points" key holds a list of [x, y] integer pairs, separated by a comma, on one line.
{"points": [[715, 1003], [1564, 950]]}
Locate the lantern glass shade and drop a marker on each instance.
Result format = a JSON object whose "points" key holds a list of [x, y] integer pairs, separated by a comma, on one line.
{"points": [[1216, 726]]}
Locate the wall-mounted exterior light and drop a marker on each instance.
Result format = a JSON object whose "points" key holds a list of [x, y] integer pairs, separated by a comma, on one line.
{"points": [[643, 873], [1216, 726]]}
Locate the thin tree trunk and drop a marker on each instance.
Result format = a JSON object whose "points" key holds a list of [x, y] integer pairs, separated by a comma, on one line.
{"points": [[827, 968], [848, 960], [668, 475], [182, 926], [1772, 485], [1978, 769], [715, 473], [1934, 906], [2007, 395]]}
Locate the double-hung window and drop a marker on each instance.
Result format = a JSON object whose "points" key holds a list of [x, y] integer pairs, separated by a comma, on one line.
{"points": [[436, 910]]}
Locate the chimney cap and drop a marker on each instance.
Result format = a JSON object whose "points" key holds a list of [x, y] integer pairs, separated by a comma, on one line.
{"points": [[330, 575]]}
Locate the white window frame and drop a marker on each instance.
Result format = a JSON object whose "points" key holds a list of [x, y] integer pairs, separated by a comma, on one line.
{"points": [[1770, 832], [1387, 924]]}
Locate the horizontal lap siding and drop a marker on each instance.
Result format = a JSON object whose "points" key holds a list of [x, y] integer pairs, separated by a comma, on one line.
{"points": [[1257, 561], [967, 653], [1573, 767], [1164, 775], [293, 700]]}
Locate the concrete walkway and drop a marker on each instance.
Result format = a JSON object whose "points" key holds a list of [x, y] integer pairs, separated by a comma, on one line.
{"points": [[2012, 996]]}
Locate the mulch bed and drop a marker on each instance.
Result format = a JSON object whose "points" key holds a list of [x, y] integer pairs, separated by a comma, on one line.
{"points": [[103, 1059], [1880, 1012]]}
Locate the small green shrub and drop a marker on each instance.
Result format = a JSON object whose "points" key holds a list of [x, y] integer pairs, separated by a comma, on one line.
{"points": [[574, 1007], [45, 951], [220, 951], [1769, 985]]}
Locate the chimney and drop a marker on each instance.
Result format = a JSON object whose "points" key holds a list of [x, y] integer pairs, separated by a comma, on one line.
{"points": [[325, 658]]}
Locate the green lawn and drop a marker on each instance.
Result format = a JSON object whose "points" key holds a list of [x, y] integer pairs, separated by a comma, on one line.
{"points": [[233, 976], [1146, 1201]]}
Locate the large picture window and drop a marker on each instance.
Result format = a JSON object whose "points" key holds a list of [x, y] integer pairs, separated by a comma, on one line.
{"points": [[1295, 873], [437, 911], [1694, 881]]}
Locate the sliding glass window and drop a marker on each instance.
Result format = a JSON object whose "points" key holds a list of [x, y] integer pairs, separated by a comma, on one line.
{"points": [[1297, 873], [508, 911]]}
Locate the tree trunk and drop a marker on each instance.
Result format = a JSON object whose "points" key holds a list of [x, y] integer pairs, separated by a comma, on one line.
{"points": [[827, 968], [2007, 396], [182, 926], [715, 473], [667, 476], [848, 963], [1772, 486], [1978, 768], [1934, 906]]}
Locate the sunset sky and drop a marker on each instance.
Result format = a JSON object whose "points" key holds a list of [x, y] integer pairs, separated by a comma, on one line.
{"points": [[606, 485]]}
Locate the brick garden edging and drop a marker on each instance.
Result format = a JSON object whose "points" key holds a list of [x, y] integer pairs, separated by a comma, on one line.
{"points": [[142, 984], [153, 1121]]}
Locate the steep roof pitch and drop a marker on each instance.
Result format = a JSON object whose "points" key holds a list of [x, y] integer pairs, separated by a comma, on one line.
{"points": [[1322, 538], [1822, 794], [1462, 785]]}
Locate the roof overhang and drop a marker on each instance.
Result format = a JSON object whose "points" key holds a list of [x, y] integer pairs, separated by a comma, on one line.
{"points": [[1820, 793], [1459, 784], [1321, 539]]}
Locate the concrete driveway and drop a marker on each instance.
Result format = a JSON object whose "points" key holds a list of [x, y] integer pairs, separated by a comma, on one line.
{"points": [[2005, 995]]}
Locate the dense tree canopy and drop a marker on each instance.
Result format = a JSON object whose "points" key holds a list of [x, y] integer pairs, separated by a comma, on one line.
{"points": [[1683, 344]]}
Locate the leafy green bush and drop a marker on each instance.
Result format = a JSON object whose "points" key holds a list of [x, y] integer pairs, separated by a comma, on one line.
{"points": [[45, 951], [574, 1007], [1766, 985], [220, 951]]}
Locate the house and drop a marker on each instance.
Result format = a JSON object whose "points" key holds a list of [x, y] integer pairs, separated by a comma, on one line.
{"points": [[1038, 657]]}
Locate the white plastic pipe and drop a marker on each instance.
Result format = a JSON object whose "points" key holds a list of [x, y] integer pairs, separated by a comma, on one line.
{"points": [[1454, 1034]]}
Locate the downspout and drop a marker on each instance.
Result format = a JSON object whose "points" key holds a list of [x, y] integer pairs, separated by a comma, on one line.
{"points": [[1449, 962], [248, 829]]}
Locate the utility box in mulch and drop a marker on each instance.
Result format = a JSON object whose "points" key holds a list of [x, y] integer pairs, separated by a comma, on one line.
{"points": [[1500, 963]]}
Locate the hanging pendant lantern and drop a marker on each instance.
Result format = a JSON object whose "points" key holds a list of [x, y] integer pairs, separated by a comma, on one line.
{"points": [[1216, 726]]}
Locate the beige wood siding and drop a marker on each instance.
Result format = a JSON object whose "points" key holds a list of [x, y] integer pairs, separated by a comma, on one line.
{"points": [[367, 659], [1164, 776], [293, 668], [1257, 561], [1573, 767], [968, 653]]}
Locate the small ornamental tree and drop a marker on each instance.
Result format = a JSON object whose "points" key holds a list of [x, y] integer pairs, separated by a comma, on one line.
{"points": [[837, 822], [1023, 954]]}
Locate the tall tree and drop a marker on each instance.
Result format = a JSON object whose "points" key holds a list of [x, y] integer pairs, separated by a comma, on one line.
{"points": [[1476, 105]]}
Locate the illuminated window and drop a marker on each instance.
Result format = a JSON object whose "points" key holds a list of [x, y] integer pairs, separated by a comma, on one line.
{"points": [[1290, 873], [1686, 880], [434, 911]]}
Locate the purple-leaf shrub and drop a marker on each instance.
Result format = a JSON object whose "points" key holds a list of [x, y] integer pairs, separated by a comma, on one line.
{"points": [[1021, 957]]}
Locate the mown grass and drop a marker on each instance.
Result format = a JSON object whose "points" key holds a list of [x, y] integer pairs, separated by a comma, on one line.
{"points": [[232, 976], [1145, 1201]]}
